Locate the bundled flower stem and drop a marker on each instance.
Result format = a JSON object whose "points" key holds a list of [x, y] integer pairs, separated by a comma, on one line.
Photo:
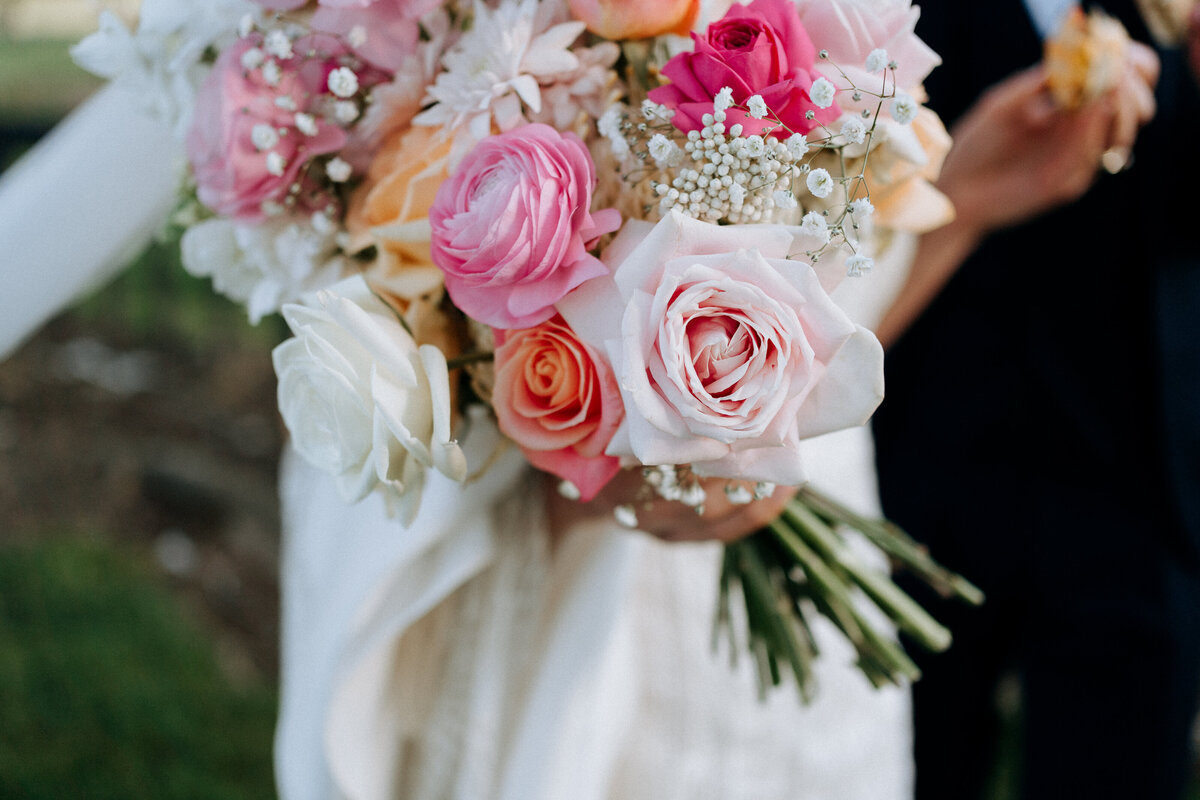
{"points": [[802, 563]]}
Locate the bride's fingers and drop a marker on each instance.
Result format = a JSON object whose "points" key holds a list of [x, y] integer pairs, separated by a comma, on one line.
{"points": [[721, 519]]}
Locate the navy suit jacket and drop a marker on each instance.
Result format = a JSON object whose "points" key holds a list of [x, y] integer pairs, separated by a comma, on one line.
{"points": [[1063, 359]]}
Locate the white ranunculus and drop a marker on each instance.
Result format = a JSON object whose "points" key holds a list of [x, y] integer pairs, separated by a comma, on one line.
{"points": [[361, 399], [262, 266]]}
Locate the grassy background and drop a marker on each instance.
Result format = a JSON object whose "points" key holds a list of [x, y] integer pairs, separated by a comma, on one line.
{"points": [[110, 691]]}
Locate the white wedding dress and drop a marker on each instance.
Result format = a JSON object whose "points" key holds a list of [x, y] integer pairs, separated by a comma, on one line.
{"points": [[462, 657]]}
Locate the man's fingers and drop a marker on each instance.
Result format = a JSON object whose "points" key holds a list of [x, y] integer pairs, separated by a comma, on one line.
{"points": [[1144, 62]]}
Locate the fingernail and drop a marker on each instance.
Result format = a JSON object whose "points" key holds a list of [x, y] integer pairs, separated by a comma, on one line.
{"points": [[1116, 159]]}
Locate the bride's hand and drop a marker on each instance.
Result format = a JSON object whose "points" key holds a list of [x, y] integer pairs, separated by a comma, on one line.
{"points": [[671, 520]]}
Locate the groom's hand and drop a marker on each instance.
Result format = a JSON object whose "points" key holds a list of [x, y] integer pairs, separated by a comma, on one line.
{"points": [[1016, 154], [1193, 42]]}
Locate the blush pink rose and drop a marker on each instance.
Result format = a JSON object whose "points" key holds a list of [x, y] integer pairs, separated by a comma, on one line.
{"points": [[728, 353], [762, 49], [851, 29], [557, 399], [233, 174], [390, 25], [511, 227]]}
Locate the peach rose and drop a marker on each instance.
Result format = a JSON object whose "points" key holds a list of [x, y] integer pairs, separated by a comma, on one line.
{"points": [[901, 175], [390, 209], [636, 19], [556, 397]]}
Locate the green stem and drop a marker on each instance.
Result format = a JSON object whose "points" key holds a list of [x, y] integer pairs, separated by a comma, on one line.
{"points": [[468, 358], [906, 612], [837, 603], [896, 543]]}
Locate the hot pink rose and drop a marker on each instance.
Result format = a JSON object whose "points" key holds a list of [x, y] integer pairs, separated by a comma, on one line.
{"points": [[511, 227], [851, 29], [245, 149], [557, 399], [758, 49], [728, 352]]}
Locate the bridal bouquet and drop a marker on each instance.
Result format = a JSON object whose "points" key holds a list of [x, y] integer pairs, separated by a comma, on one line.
{"points": [[618, 239]]}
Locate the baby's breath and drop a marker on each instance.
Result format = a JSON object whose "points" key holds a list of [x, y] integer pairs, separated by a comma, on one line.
{"points": [[744, 165]]}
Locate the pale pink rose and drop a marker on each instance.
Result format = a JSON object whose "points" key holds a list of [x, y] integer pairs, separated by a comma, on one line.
{"points": [[851, 29], [635, 19], [511, 227], [557, 399], [762, 49], [234, 174], [728, 353]]}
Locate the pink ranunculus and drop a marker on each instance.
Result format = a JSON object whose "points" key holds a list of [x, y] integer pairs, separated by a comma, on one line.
{"points": [[511, 227], [762, 49], [235, 175], [635, 19], [728, 353], [557, 399], [851, 29]]}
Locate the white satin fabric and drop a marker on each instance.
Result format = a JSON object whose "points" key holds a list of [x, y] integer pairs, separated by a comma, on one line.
{"points": [[462, 658], [79, 206]]}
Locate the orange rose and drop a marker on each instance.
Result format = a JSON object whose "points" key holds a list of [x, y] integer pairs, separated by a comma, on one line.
{"points": [[391, 208], [636, 19]]}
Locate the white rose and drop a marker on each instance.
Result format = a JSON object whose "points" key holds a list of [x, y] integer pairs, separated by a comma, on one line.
{"points": [[362, 400]]}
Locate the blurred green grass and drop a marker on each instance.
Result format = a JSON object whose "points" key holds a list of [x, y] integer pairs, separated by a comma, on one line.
{"points": [[110, 691], [39, 82]]}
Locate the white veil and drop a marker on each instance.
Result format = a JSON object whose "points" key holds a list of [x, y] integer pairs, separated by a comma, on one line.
{"points": [[79, 206]]}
